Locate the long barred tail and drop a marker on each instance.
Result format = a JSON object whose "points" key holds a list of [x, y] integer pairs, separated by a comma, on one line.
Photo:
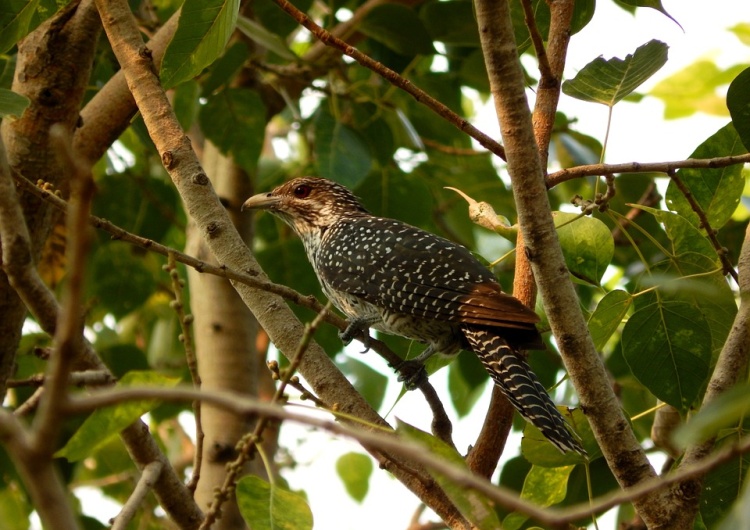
{"points": [[512, 374]]}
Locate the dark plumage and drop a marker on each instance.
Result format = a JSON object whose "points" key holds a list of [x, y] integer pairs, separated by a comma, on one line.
{"points": [[393, 277]]}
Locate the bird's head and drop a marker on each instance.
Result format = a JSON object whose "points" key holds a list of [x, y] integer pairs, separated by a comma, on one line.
{"points": [[308, 204]]}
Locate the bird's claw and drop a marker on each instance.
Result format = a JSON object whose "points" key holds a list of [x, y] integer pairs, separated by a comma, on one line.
{"points": [[354, 328], [412, 374]]}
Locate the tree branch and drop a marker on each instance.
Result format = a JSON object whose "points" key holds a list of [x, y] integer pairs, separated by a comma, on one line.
{"points": [[186, 337], [553, 179], [551, 70], [39, 475], [619, 445], [149, 476]]}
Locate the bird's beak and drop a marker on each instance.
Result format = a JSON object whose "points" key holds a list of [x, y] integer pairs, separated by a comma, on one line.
{"points": [[262, 201]]}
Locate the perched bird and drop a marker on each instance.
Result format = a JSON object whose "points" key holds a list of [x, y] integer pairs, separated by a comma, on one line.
{"points": [[387, 275]]}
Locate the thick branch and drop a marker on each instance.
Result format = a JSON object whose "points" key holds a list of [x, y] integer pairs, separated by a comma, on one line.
{"points": [[52, 69], [619, 445]]}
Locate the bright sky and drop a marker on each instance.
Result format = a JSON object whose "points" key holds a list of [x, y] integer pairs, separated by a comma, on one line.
{"points": [[639, 133]]}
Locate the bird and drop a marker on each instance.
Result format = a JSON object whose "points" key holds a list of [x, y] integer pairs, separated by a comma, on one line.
{"points": [[387, 275]]}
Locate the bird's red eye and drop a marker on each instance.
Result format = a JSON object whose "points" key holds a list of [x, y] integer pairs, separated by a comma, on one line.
{"points": [[302, 192]]}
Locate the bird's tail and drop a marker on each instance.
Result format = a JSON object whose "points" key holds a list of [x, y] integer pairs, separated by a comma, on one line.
{"points": [[512, 374]]}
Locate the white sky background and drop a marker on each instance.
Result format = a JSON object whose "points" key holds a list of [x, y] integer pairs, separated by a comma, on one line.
{"points": [[639, 133]]}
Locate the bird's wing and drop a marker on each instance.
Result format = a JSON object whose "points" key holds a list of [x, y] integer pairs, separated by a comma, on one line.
{"points": [[406, 270]]}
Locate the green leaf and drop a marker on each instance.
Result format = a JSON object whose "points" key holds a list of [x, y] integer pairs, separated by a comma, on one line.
{"points": [[120, 292], [15, 21], [275, 19], [451, 22], [355, 469], [726, 411], [473, 505], [738, 103], [12, 104], [739, 515], [742, 32], [696, 279], [144, 206], [466, 382], [266, 506], [653, 4], [107, 422], [399, 28], [723, 485], [608, 81], [370, 383], [667, 346], [608, 316], [539, 451], [716, 190], [695, 89], [223, 70], [14, 507], [204, 29], [260, 35], [587, 245], [342, 155], [544, 487], [234, 120], [185, 103]]}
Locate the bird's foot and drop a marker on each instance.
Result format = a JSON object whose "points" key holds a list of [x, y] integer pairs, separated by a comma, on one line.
{"points": [[411, 373], [356, 327]]}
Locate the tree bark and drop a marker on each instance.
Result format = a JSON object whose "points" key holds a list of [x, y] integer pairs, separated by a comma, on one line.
{"points": [[225, 332], [624, 454]]}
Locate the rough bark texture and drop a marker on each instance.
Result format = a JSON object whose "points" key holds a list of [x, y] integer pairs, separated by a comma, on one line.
{"points": [[619, 445], [224, 331], [53, 69]]}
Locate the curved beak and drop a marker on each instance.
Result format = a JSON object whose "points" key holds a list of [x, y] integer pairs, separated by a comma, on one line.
{"points": [[262, 201]]}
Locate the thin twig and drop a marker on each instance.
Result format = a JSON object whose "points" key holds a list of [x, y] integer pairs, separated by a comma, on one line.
{"points": [[722, 251], [394, 78], [149, 476], [86, 378], [186, 338], [247, 446], [69, 333], [442, 427], [536, 39], [31, 404], [553, 179]]}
